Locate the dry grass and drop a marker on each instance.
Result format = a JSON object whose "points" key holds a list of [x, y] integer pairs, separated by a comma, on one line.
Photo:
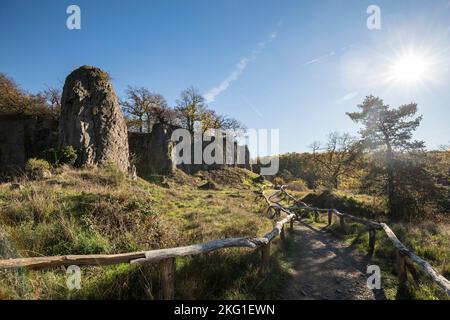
{"points": [[103, 211]]}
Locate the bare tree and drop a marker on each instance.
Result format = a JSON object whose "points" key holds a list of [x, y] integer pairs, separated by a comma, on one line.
{"points": [[144, 108], [212, 120], [53, 97], [135, 105], [191, 109], [337, 157], [155, 110]]}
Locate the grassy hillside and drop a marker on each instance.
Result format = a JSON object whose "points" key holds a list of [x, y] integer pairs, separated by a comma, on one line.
{"points": [[103, 211]]}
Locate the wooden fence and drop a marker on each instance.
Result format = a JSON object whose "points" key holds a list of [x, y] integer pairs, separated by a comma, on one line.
{"points": [[405, 257], [166, 256]]}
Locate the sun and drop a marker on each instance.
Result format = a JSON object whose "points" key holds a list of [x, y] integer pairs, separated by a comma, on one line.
{"points": [[409, 69]]}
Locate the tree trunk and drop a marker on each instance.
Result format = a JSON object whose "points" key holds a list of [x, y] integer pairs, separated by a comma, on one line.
{"points": [[392, 203]]}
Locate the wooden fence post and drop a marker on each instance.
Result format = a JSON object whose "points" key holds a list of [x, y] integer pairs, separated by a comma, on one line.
{"points": [[330, 217], [283, 236], [401, 267], [265, 254], [342, 222], [168, 278], [372, 239]]}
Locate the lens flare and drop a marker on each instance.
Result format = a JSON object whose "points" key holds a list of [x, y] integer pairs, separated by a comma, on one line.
{"points": [[409, 69]]}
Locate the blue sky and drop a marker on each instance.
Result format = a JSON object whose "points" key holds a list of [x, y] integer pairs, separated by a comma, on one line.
{"points": [[293, 65]]}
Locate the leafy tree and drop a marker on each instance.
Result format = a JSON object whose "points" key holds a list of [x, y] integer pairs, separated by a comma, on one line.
{"points": [[13, 100], [11, 97], [389, 131], [298, 166]]}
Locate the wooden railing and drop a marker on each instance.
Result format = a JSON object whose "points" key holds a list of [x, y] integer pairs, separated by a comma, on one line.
{"points": [[166, 256], [405, 258]]}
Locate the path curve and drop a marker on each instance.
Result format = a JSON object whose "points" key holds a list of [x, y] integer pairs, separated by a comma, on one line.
{"points": [[324, 267]]}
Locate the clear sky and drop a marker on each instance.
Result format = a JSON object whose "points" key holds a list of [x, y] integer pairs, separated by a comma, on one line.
{"points": [[293, 65]]}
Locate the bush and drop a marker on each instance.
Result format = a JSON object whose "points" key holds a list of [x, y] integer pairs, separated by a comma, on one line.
{"points": [[278, 181], [59, 157], [298, 185], [37, 169]]}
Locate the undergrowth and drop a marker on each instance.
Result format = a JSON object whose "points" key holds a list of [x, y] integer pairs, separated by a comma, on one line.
{"points": [[101, 210]]}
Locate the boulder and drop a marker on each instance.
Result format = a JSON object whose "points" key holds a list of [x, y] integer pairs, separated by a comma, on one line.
{"points": [[91, 120]]}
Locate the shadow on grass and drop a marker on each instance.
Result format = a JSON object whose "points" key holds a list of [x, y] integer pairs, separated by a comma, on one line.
{"points": [[230, 274]]}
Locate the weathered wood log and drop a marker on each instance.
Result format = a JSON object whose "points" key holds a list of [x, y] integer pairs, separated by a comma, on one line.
{"points": [[296, 201], [372, 239], [265, 254], [413, 271], [168, 279], [304, 206], [79, 260], [132, 257], [342, 222], [316, 216], [277, 229], [142, 256], [423, 265], [368, 223], [282, 236], [161, 254], [401, 267]]}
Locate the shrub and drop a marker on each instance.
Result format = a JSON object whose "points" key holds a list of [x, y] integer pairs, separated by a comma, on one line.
{"points": [[59, 157], [298, 185], [278, 181], [37, 169]]}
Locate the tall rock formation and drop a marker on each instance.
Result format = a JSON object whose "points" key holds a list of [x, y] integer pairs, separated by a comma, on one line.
{"points": [[91, 120]]}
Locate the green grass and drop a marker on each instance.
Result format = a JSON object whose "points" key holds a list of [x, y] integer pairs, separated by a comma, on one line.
{"points": [[103, 211], [430, 240]]}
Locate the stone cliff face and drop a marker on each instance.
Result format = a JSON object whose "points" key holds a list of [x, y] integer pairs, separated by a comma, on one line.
{"points": [[91, 120], [152, 151], [23, 137]]}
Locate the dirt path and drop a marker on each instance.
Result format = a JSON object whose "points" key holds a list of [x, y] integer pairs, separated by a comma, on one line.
{"points": [[325, 268]]}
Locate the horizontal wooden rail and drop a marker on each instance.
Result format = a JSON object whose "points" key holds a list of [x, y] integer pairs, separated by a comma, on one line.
{"points": [[145, 256], [440, 280], [401, 249]]}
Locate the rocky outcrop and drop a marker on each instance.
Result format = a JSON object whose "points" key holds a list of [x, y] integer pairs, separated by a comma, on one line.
{"points": [[91, 120], [23, 137], [152, 152]]}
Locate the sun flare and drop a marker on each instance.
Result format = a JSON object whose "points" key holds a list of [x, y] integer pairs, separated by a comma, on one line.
{"points": [[409, 69]]}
